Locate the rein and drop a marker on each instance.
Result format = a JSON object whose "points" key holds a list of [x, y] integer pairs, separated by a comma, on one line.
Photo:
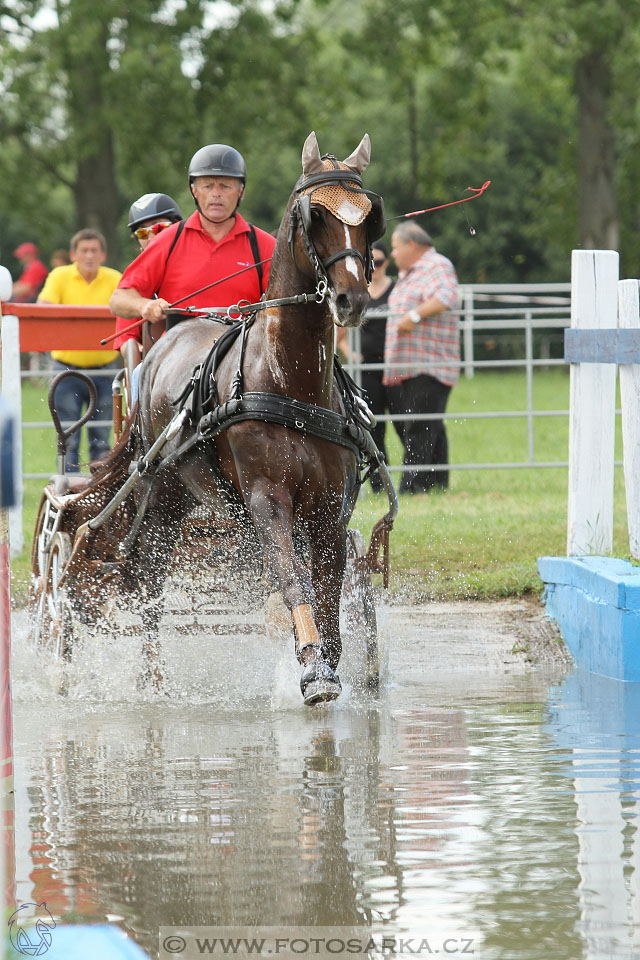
{"points": [[141, 320], [244, 307]]}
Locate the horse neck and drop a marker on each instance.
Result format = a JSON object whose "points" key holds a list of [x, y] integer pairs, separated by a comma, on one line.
{"points": [[298, 340]]}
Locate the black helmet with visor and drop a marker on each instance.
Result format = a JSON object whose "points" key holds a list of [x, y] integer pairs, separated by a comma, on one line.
{"points": [[151, 206]]}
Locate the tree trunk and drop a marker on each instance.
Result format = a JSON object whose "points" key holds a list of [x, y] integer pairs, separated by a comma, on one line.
{"points": [[86, 61], [597, 213], [413, 140], [96, 195]]}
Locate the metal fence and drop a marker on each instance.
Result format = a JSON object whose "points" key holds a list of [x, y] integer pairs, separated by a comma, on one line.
{"points": [[517, 326], [526, 323]]}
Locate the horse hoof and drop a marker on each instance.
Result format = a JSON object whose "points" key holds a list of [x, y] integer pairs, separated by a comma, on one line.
{"points": [[319, 684]]}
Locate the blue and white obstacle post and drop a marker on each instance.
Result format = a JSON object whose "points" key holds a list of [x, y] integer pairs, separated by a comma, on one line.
{"points": [[595, 598]]}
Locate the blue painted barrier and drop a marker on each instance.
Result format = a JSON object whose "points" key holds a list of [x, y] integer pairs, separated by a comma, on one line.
{"points": [[81, 943], [596, 603], [7, 456], [601, 346]]}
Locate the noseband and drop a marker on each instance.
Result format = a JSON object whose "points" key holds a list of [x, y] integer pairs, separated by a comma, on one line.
{"points": [[301, 218]]}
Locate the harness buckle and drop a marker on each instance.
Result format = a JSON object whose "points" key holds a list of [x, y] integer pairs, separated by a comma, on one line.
{"points": [[321, 290], [242, 307]]}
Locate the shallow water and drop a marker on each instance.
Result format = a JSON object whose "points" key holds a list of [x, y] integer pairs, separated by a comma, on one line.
{"points": [[475, 798]]}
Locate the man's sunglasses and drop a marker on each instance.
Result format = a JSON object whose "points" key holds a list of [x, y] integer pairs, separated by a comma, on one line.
{"points": [[143, 232]]}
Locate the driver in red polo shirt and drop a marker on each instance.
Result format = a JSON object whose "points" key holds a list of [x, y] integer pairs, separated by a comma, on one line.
{"points": [[214, 242]]}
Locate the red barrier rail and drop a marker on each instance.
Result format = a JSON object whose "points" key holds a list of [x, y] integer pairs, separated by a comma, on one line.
{"points": [[48, 326]]}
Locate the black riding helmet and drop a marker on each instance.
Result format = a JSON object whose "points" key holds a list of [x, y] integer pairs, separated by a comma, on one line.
{"points": [[150, 207], [217, 160]]}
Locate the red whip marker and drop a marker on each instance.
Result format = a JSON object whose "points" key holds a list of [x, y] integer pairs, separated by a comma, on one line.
{"points": [[477, 192]]}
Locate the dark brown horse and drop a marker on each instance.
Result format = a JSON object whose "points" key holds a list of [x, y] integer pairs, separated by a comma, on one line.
{"points": [[294, 490]]}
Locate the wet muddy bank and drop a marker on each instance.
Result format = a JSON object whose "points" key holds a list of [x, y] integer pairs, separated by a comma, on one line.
{"points": [[511, 630]]}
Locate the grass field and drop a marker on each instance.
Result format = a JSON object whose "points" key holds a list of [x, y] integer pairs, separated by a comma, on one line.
{"points": [[481, 538]]}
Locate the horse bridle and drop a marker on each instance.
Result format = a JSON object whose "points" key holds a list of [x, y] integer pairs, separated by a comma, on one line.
{"points": [[301, 218]]}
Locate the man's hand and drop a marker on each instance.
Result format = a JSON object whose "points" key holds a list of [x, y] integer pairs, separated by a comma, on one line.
{"points": [[155, 309], [126, 302], [406, 324], [428, 309]]}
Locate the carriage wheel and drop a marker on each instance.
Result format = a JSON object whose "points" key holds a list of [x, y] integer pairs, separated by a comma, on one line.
{"points": [[359, 605], [46, 525], [53, 615]]}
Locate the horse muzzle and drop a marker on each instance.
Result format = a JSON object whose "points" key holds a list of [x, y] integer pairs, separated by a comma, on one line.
{"points": [[348, 308]]}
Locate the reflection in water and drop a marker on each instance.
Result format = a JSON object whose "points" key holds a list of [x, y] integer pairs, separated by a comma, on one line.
{"points": [[597, 721], [256, 823], [455, 805]]}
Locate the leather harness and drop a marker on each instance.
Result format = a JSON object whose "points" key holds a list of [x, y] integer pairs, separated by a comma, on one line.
{"points": [[209, 417]]}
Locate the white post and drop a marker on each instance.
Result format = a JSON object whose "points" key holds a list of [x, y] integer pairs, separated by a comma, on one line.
{"points": [[594, 302], [12, 390], [629, 318]]}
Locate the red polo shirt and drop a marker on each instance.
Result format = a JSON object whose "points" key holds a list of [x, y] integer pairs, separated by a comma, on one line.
{"points": [[34, 276], [195, 261]]}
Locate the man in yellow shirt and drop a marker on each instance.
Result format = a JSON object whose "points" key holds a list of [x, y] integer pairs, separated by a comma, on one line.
{"points": [[84, 281]]}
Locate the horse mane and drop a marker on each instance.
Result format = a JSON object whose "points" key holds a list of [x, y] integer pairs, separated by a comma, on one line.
{"points": [[282, 234], [281, 257]]}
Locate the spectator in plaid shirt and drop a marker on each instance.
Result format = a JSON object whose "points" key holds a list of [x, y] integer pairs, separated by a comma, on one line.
{"points": [[422, 352]]}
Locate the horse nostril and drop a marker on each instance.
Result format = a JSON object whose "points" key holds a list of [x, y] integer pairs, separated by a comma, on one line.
{"points": [[343, 303], [351, 304]]}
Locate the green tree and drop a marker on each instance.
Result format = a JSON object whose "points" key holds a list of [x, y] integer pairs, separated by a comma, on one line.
{"points": [[97, 110], [87, 99], [578, 54]]}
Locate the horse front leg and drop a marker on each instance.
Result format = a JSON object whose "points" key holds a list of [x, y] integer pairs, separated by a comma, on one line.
{"points": [[272, 512], [328, 559]]}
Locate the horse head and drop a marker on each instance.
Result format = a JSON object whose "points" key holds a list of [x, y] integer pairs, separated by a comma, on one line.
{"points": [[332, 224]]}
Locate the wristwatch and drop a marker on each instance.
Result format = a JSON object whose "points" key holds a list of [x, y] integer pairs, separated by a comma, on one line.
{"points": [[414, 316]]}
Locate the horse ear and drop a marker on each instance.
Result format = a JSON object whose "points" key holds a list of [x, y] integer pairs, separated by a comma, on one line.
{"points": [[311, 159], [359, 159]]}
